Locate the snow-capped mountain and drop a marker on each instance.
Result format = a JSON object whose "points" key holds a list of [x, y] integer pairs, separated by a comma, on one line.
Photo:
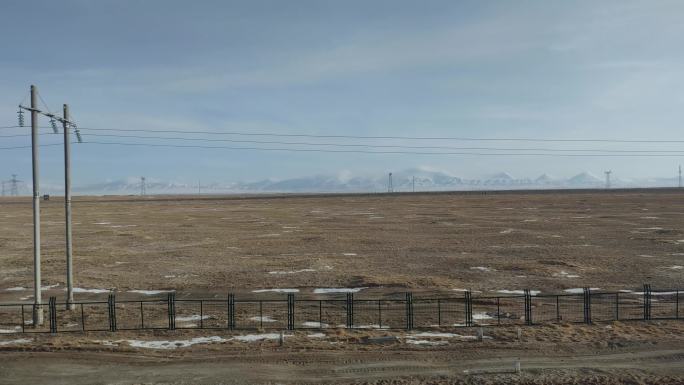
{"points": [[403, 181]]}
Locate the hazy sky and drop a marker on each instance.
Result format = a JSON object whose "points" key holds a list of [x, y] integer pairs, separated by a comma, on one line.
{"points": [[544, 69]]}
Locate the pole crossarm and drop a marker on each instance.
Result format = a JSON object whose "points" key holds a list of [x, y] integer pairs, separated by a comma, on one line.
{"points": [[50, 115]]}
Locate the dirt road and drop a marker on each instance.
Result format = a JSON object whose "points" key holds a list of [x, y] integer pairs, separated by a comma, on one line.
{"points": [[658, 366]]}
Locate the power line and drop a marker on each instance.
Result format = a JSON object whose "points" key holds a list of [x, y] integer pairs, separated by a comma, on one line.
{"points": [[239, 133], [347, 145], [372, 152]]}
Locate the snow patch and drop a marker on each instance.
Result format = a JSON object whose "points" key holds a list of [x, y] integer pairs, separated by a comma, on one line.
{"points": [[96, 291], [15, 342], [149, 292], [579, 290], [194, 317], [505, 291], [331, 290], [173, 344], [263, 319]]}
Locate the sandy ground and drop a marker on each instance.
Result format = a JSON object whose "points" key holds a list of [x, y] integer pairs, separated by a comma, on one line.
{"points": [[618, 353], [424, 243]]}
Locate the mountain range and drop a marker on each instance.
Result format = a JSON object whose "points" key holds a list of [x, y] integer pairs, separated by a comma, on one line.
{"points": [[402, 181]]}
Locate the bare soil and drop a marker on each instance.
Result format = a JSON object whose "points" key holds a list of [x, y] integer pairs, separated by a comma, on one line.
{"points": [[388, 244]]}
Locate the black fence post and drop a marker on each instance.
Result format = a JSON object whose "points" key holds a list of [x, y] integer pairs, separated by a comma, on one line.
{"points": [[52, 309], [290, 311], [409, 311], [350, 310], [528, 307], [617, 306], [677, 304], [112, 312], [468, 308], [171, 306], [587, 305], [647, 302], [231, 311]]}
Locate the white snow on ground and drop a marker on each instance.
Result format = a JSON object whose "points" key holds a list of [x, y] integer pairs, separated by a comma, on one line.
{"points": [[15, 342], [311, 324], [433, 334], [258, 337], [291, 271], [646, 256], [481, 316], [565, 274], [426, 342], [263, 319], [652, 293], [82, 290], [650, 218], [505, 291], [507, 231], [276, 291], [268, 235], [349, 254], [102, 223], [149, 292], [194, 317], [371, 326], [16, 288], [316, 335], [579, 290], [481, 268], [173, 344], [48, 287], [649, 228], [6, 331], [676, 267], [120, 226], [331, 290]]}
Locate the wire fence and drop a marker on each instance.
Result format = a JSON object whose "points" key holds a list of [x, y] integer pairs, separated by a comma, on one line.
{"points": [[291, 313]]}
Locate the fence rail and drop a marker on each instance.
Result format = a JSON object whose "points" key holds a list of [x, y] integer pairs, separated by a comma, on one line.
{"points": [[291, 313]]}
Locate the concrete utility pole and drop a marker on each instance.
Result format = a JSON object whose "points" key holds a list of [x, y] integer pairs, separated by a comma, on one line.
{"points": [[413, 182], [680, 176], [67, 208], [608, 178], [143, 189], [390, 188], [38, 300]]}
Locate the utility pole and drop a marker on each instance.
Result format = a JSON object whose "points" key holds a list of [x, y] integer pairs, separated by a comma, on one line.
{"points": [[38, 300], [199, 187], [3, 188], [413, 183], [390, 188], [37, 295], [608, 179], [680, 176], [67, 209], [143, 189]]}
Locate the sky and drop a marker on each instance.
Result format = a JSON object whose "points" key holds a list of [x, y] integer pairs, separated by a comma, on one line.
{"points": [[494, 69]]}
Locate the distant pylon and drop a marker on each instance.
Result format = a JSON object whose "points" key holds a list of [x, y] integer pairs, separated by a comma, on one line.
{"points": [[608, 178], [3, 187], [680, 176], [390, 187], [143, 188], [413, 182], [14, 189]]}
